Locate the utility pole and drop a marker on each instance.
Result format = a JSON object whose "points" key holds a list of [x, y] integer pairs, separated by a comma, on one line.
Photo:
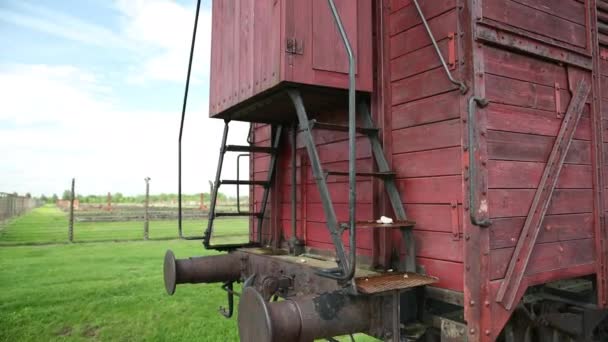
{"points": [[146, 205], [109, 202], [71, 226]]}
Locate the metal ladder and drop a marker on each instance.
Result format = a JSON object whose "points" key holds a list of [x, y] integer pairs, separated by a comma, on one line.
{"points": [[272, 151], [345, 270]]}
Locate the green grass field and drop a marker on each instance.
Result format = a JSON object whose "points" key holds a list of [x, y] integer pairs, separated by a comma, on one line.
{"points": [[110, 291]]}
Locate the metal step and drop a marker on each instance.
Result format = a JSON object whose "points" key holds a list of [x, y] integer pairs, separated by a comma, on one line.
{"points": [[341, 128], [250, 148], [389, 174], [392, 281], [394, 225], [235, 214], [244, 182]]}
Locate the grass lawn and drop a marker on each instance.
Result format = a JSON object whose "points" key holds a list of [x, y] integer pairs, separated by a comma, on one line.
{"points": [[111, 291], [104, 291], [48, 224]]}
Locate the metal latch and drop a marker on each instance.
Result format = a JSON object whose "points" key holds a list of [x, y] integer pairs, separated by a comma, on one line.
{"points": [[294, 46]]}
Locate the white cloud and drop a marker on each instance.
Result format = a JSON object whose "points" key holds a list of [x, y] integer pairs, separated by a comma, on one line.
{"points": [[166, 27], [62, 126]]}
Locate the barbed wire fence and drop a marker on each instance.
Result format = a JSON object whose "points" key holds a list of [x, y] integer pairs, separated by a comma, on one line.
{"points": [[113, 217]]}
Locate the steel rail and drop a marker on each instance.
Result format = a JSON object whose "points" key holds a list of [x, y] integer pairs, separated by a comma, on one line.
{"points": [[352, 157], [181, 126], [463, 87]]}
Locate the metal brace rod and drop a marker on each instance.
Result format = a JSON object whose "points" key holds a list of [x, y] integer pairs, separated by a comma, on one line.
{"points": [[463, 87], [510, 286]]}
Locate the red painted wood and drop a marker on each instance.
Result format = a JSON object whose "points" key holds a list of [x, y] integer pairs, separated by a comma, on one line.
{"points": [[420, 86], [527, 175], [416, 37], [539, 122], [418, 61], [441, 162], [433, 109], [545, 257], [450, 274], [516, 202], [407, 17], [428, 137], [536, 21], [527, 147], [430, 189], [249, 40], [525, 68], [506, 231]]}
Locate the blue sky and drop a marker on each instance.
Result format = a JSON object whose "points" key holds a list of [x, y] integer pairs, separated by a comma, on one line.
{"points": [[93, 90]]}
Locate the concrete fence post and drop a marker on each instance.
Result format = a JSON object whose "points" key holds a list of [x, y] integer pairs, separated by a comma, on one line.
{"points": [[146, 207], [71, 225]]}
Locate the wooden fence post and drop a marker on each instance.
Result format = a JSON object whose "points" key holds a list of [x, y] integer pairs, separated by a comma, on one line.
{"points": [[71, 225], [146, 205]]}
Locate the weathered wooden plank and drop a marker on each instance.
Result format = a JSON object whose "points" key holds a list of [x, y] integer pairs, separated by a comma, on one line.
{"points": [[540, 122], [407, 17], [527, 147], [545, 257], [527, 175], [431, 217], [542, 199], [427, 137], [417, 37], [450, 274], [437, 245], [514, 92], [430, 83], [523, 67], [418, 61], [440, 162], [338, 151], [573, 11], [432, 109], [505, 231], [444, 189], [516, 202], [532, 20]]}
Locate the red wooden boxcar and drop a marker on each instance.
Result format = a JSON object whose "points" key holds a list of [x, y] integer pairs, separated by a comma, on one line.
{"points": [[490, 115]]}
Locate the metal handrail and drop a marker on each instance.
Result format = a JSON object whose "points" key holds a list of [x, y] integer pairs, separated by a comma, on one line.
{"points": [[181, 126], [463, 87], [352, 156], [238, 178]]}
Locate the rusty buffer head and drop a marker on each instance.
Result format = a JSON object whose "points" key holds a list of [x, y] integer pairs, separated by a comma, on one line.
{"points": [[209, 269], [303, 318]]}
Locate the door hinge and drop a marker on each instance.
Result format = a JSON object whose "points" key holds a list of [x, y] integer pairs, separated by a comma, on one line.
{"points": [[294, 46]]}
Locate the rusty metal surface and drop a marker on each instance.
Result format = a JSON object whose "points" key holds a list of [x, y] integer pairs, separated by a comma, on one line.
{"points": [[392, 282], [303, 318], [209, 269]]}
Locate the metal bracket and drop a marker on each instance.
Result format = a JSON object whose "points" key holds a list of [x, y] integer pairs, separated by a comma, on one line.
{"points": [[455, 221], [452, 50], [558, 101], [229, 288], [294, 46]]}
